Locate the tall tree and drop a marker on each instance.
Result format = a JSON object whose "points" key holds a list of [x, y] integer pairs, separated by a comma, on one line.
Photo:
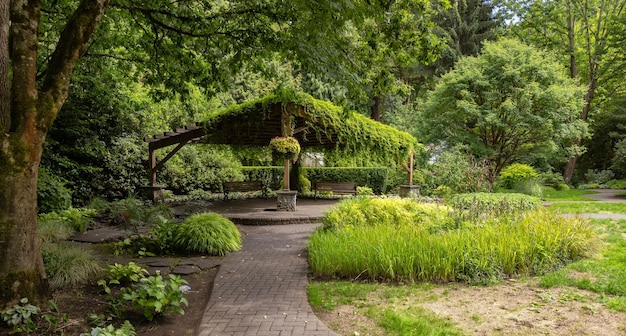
{"points": [[510, 102], [464, 26], [174, 40], [579, 29], [31, 113]]}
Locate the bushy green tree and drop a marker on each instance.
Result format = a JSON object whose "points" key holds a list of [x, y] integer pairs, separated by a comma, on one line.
{"points": [[509, 102]]}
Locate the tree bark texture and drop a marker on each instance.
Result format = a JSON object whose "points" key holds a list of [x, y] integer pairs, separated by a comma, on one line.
{"points": [[375, 110], [5, 93], [30, 116]]}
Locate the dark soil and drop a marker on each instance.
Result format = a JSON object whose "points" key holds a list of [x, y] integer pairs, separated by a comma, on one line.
{"points": [[77, 306]]}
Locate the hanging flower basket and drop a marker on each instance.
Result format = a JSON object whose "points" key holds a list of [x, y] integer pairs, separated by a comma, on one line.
{"points": [[285, 147]]}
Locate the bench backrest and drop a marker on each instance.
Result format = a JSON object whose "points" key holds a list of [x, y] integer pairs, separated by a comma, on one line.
{"points": [[243, 186], [336, 186]]}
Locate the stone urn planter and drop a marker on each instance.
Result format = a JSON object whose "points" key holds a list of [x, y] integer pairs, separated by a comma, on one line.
{"points": [[409, 190], [286, 200]]}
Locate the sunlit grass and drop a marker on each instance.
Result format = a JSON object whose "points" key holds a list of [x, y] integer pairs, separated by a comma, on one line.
{"points": [[589, 208], [604, 274], [378, 244], [568, 195]]}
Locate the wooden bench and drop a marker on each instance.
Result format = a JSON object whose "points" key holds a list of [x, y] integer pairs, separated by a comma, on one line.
{"points": [[335, 187], [242, 186]]}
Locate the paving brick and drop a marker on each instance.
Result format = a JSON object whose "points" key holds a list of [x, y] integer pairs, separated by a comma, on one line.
{"points": [[261, 290]]}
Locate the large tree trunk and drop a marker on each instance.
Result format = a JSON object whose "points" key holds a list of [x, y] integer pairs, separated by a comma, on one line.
{"points": [[5, 89], [22, 271], [375, 110], [29, 117]]}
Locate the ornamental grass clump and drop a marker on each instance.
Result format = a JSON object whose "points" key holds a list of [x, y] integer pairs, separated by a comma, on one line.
{"points": [[207, 233], [368, 244]]}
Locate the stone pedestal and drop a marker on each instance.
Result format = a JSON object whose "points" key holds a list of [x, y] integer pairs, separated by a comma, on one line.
{"points": [[409, 190], [286, 200], [153, 193]]}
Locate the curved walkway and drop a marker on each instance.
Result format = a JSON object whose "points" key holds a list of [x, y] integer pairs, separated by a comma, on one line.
{"points": [[261, 290]]}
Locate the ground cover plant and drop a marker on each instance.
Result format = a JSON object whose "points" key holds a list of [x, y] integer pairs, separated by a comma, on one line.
{"points": [[403, 240]]}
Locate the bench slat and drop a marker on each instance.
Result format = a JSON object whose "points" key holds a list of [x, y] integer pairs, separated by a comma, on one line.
{"points": [[336, 187], [241, 186]]}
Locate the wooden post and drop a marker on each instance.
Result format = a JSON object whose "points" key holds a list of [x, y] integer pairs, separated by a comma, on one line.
{"points": [[152, 171], [411, 167], [286, 131], [286, 175]]}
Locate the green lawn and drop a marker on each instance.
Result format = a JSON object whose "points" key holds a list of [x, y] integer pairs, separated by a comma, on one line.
{"points": [[568, 195], [589, 208]]}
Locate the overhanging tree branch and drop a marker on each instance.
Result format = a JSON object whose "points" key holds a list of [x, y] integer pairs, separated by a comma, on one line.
{"points": [[72, 44]]}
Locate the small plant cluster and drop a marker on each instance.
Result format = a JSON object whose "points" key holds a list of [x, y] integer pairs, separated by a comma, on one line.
{"points": [[77, 219], [21, 316], [66, 265], [285, 147], [153, 295], [126, 329], [26, 318], [402, 240], [602, 179]]}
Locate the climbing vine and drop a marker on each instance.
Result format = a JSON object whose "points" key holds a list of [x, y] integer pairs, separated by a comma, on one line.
{"points": [[348, 130]]}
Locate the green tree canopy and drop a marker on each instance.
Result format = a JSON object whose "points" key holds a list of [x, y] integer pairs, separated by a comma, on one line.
{"points": [[510, 102]]}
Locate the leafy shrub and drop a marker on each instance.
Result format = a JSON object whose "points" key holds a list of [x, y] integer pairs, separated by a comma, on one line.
{"points": [[124, 167], [130, 272], [530, 187], [77, 219], [134, 212], [616, 184], [478, 205], [364, 191], [554, 180], [598, 177], [68, 266], [156, 296], [442, 191], [126, 329], [618, 163], [515, 174], [460, 171], [20, 316], [52, 194], [271, 176], [207, 233], [201, 167]]}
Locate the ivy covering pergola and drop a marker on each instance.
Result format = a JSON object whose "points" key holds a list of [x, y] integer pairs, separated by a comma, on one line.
{"points": [[314, 123]]}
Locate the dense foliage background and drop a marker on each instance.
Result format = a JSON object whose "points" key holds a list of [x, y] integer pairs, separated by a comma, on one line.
{"points": [[424, 67]]}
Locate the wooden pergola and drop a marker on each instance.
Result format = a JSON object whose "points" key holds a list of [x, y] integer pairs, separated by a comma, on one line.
{"points": [[314, 123]]}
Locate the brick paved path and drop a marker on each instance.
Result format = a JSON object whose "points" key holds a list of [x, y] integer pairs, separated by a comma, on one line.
{"points": [[261, 290]]}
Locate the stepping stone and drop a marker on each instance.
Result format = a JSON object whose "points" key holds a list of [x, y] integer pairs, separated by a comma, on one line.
{"points": [[201, 262], [102, 235], [186, 269]]}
